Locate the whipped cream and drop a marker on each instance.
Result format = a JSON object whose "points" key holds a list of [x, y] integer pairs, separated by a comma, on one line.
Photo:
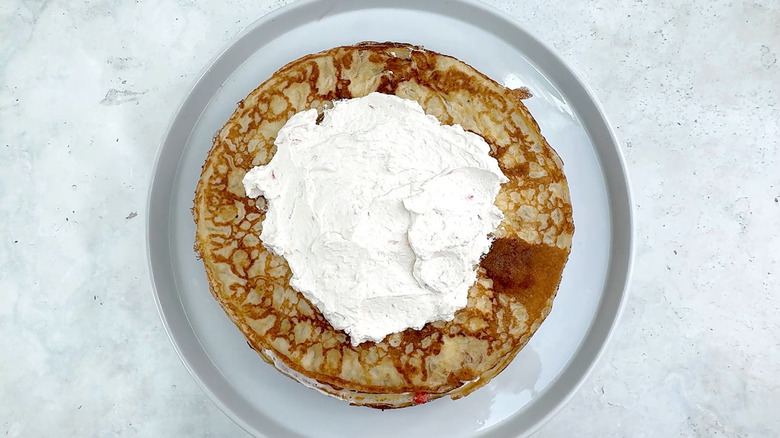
{"points": [[381, 212]]}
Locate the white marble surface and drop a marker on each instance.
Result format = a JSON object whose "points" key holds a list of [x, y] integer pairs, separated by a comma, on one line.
{"points": [[86, 92]]}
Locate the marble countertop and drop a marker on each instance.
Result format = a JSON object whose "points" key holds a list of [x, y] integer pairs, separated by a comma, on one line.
{"points": [[86, 93]]}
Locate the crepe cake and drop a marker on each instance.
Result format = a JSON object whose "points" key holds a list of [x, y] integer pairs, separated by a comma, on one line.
{"points": [[517, 279]]}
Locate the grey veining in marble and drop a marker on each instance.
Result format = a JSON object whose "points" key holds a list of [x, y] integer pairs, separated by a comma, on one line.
{"points": [[86, 93]]}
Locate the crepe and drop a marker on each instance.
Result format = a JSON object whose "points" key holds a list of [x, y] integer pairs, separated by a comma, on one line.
{"points": [[517, 279]]}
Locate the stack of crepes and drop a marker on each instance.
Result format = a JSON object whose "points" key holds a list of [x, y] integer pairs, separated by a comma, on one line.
{"points": [[517, 279]]}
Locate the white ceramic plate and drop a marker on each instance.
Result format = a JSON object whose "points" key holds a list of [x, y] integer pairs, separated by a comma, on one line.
{"points": [[545, 373]]}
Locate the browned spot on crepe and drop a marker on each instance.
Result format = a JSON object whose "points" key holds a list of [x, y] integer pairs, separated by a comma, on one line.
{"points": [[524, 271]]}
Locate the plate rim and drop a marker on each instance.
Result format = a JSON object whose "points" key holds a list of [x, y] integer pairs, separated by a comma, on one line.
{"points": [[617, 184]]}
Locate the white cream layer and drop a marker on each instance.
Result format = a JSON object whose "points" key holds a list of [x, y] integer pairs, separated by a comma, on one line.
{"points": [[381, 212]]}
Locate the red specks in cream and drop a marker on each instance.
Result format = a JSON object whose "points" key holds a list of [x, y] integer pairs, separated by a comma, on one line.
{"points": [[420, 398]]}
